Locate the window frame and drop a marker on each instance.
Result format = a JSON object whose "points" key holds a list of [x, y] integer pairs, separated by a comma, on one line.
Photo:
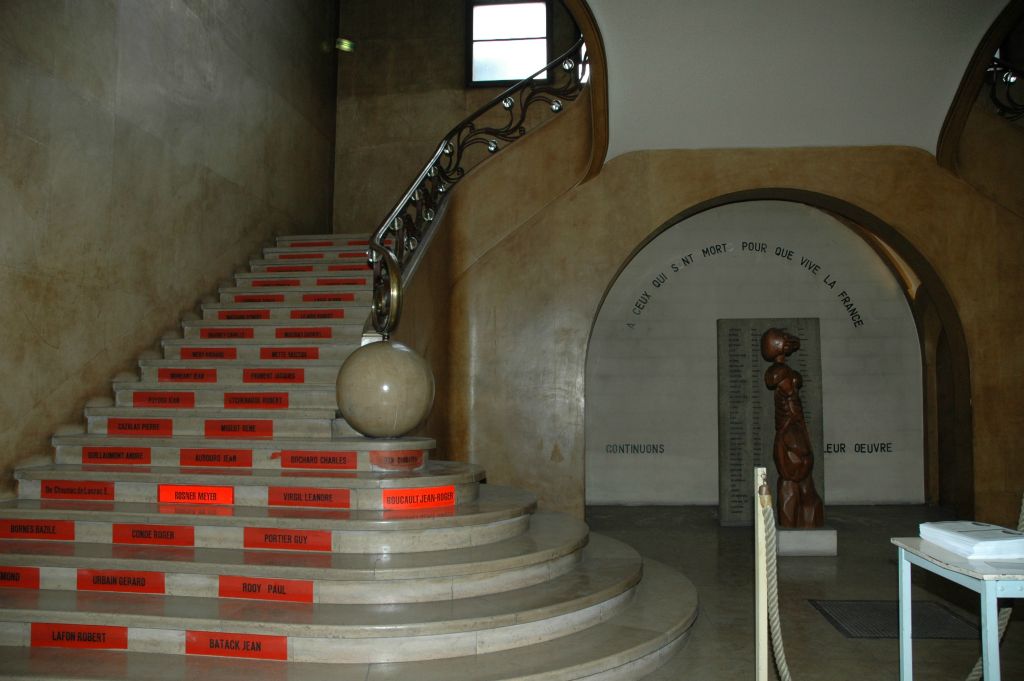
{"points": [[483, 84]]}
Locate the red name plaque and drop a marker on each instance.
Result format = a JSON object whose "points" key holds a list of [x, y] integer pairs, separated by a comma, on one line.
{"points": [[209, 353], [164, 400], [352, 254], [273, 376], [346, 268], [28, 528], [275, 282], [261, 428], [76, 489], [243, 314], [305, 459], [317, 497], [361, 242], [330, 281], [224, 458], [259, 298], [418, 497], [158, 535], [405, 459], [317, 314], [300, 256], [328, 297], [195, 494], [267, 589], [116, 455], [290, 540], [15, 577], [255, 400], [189, 375], [143, 427], [304, 332], [290, 268], [225, 333], [128, 581], [289, 353], [94, 636]]}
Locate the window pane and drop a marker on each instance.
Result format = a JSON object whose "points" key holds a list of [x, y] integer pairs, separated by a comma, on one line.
{"points": [[519, 20], [508, 59]]}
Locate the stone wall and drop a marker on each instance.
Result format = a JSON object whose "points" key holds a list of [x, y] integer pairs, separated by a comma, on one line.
{"points": [[146, 149]]}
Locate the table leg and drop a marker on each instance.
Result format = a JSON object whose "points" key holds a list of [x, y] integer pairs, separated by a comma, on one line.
{"points": [[990, 632], [906, 645]]}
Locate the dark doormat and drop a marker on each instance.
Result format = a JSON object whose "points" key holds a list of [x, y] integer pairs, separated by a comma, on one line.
{"points": [[881, 619]]}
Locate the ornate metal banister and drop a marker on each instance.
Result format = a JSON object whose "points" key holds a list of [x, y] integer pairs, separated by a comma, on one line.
{"points": [[396, 242], [1007, 89]]}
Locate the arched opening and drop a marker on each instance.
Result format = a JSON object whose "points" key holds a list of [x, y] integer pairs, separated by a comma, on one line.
{"points": [[943, 383]]}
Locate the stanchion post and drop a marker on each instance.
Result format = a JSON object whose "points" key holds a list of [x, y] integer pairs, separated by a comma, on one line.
{"points": [[760, 580]]}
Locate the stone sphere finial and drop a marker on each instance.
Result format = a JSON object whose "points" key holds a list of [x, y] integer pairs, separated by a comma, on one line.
{"points": [[385, 389]]}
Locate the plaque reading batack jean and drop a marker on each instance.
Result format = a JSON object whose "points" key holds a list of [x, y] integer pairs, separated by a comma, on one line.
{"points": [[746, 420]]}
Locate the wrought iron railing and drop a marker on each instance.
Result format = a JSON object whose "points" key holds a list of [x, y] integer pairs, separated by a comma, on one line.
{"points": [[1007, 89], [396, 245]]}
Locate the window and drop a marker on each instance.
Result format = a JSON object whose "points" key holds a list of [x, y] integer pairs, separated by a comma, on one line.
{"points": [[508, 41]]}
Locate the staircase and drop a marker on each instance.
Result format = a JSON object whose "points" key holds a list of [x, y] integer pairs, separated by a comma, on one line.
{"points": [[217, 520]]}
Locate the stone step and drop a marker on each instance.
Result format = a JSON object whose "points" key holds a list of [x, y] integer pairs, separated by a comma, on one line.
{"points": [[345, 454], [548, 548], [498, 514], [318, 248], [598, 588], [307, 264], [293, 330], [270, 349], [345, 276], [284, 311], [216, 424], [199, 370], [438, 484], [357, 295], [321, 240], [286, 393]]}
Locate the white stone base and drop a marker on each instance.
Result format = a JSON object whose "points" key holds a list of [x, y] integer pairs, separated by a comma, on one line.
{"points": [[821, 542]]}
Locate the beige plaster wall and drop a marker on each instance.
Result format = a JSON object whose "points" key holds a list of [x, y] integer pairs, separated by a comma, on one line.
{"points": [[146, 149], [522, 308]]}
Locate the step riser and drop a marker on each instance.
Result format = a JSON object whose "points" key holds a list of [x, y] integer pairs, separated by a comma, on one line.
{"points": [[268, 644], [324, 264], [326, 459], [175, 399], [246, 351], [338, 294], [123, 578], [245, 312], [207, 372], [296, 331], [337, 279], [219, 429], [222, 497]]}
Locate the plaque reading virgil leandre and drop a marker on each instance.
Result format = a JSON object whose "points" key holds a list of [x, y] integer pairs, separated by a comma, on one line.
{"points": [[746, 422]]}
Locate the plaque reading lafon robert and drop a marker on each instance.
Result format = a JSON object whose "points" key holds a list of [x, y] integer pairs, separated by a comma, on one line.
{"points": [[746, 425]]}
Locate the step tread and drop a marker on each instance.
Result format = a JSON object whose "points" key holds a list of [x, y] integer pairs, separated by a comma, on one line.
{"points": [[494, 504], [609, 568], [211, 412], [358, 444], [549, 536], [220, 387], [661, 614], [434, 472]]}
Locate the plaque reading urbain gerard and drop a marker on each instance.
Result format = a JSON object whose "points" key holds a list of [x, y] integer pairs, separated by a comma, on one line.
{"points": [[746, 422]]}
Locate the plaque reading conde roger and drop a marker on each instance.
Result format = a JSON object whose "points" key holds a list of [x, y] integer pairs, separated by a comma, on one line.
{"points": [[746, 422]]}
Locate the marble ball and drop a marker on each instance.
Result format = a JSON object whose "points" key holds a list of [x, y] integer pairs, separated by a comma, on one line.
{"points": [[385, 389]]}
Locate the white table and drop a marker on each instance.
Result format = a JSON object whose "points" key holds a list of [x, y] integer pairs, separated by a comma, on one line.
{"points": [[991, 580]]}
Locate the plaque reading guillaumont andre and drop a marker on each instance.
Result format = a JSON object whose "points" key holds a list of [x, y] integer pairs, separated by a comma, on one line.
{"points": [[746, 420]]}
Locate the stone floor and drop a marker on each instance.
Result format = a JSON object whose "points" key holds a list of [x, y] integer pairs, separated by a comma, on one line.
{"points": [[720, 562]]}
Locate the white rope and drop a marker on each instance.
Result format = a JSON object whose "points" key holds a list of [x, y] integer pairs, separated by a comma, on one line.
{"points": [[774, 623], [1004, 613]]}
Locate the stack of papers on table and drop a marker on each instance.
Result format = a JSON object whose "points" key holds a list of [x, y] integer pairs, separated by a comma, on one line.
{"points": [[975, 541]]}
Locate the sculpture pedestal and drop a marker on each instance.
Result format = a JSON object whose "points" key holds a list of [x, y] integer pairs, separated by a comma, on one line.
{"points": [[820, 542]]}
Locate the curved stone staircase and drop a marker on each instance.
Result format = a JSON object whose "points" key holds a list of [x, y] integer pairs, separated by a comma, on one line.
{"points": [[216, 520]]}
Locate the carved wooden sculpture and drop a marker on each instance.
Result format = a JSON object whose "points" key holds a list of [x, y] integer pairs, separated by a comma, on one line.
{"points": [[798, 502]]}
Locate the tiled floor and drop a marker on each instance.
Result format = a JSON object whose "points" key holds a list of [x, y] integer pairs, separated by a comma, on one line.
{"points": [[720, 563]]}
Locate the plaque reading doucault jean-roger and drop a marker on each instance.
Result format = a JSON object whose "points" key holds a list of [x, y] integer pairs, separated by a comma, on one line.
{"points": [[746, 419]]}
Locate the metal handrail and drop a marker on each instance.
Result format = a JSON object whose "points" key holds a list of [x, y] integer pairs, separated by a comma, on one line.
{"points": [[410, 221]]}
